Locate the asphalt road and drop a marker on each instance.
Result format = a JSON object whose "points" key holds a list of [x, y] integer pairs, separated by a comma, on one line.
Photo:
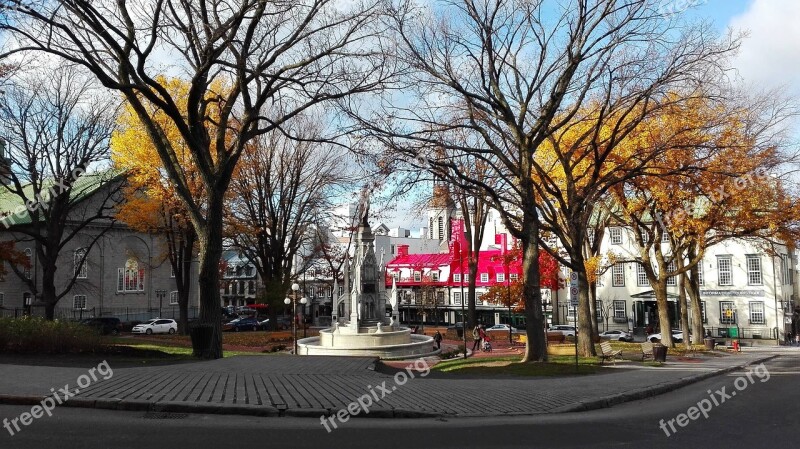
{"points": [[761, 414]]}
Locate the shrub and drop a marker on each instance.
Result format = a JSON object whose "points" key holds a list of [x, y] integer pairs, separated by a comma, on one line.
{"points": [[37, 335]]}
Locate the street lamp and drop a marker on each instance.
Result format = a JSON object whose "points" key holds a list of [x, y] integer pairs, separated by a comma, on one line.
{"points": [[293, 301], [160, 294]]}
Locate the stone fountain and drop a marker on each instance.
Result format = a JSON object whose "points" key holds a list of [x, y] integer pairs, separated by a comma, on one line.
{"points": [[364, 330]]}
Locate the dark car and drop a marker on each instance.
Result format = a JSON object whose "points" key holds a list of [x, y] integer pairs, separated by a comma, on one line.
{"points": [[242, 324], [105, 326]]}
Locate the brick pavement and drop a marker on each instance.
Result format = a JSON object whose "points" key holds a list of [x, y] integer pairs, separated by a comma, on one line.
{"points": [[312, 386]]}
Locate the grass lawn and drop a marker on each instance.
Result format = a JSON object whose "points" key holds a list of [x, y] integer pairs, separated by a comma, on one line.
{"points": [[490, 366]]}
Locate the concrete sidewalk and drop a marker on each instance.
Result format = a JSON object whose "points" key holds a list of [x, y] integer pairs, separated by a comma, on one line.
{"points": [[315, 386]]}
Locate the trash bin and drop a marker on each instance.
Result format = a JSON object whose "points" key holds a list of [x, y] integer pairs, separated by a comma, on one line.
{"points": [[709, 342], [201, 338], [460, 332], [659, 353]]}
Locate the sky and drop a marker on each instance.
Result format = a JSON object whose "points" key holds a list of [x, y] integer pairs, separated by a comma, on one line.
{"points": [[769, 57]]}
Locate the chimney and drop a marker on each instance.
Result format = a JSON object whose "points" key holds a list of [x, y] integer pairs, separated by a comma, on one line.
{"points": [[402, 250]]}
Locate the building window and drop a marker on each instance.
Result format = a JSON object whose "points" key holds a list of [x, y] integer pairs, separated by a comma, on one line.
{"points": [[619, 310], [230, 272], [251, 287], [501, 277], [130, 278], [753, 269], [478, 297], [29, 256], [417, 276], [79, 302], [484, 277], [466, 277], [2, 299], [430, 222], [392, 250], [598, 309], [173, 297], [26, 299], [724, 270], [396, 275], [727, 312], [513, 277], [79, 263], [757, 312], [618, 275], [171, 271], [440, 298], [441, 227], [434, 276], [641, 276], [341, 290], [457, 298], [785, 269], [672, 280], [616, 236], [571, 312], [241, 287], [456, 278], [645, 236], [665, 237], [700, 277], [703, 312]]}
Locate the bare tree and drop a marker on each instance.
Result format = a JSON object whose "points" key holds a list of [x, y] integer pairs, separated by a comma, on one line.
{"points": [[251, 65], [510, 76], [279, 194], [57, 126]]}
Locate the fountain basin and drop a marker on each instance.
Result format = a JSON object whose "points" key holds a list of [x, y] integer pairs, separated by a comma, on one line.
{"points": [[392, 344]]}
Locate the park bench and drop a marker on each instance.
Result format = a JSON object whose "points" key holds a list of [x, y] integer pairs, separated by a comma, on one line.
{"points": [[607, 352], [647, 350]]}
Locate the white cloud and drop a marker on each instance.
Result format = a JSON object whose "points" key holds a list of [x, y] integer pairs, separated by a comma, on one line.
{"points": [[770, 57]]}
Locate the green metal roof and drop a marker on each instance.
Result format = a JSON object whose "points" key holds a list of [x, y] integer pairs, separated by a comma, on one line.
{"points": [[14, 212]]}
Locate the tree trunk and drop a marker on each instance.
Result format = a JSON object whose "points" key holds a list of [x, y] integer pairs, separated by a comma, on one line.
{"points": [[183, 279], [48, 292], [665, 327], [536, 349], [585, 329], [473, 300], [692, 285], [684, 309], [210, 243], [592, 289]]}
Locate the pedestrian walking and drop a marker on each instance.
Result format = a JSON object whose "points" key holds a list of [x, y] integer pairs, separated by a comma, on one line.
{"points": [[437, 338], [476, 337]]}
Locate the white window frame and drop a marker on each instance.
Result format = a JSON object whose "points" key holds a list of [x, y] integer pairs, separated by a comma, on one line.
{"points": [[620, 309], [513, 277], [484, 277], [27, 270], [456, 298], [723, 270], [723, 307], [598, 309], [753, 264], [757, 312], [703, 314], [435, 276], [173, 298], [615, 236], [672, 281], [129, 280], [79, 263], [641, 276], [501, 277], [417, 276], [700, 276], [75, 302], [456, 277], [618, 275], [466, 277]]}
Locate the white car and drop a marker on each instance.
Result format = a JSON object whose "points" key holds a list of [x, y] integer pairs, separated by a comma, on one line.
{"points": [[568, 331], [677, 336], [156, 326], [616, 335], [501, 328]]}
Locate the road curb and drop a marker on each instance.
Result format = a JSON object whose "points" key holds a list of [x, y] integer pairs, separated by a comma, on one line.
{"points": [[656, 390]]}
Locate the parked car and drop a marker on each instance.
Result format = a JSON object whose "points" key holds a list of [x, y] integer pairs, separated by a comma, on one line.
{"points": [[104, 325], [242, 324], [617, 335], [567, 331], [156, 326], [502, 328], [677, 336]]}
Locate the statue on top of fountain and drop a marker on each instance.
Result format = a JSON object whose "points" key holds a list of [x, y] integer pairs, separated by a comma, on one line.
{"points": [[364, 282]]}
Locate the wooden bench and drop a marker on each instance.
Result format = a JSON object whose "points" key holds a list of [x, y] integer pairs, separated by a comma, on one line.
{"points": [[647, 350], [607, 352]]}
